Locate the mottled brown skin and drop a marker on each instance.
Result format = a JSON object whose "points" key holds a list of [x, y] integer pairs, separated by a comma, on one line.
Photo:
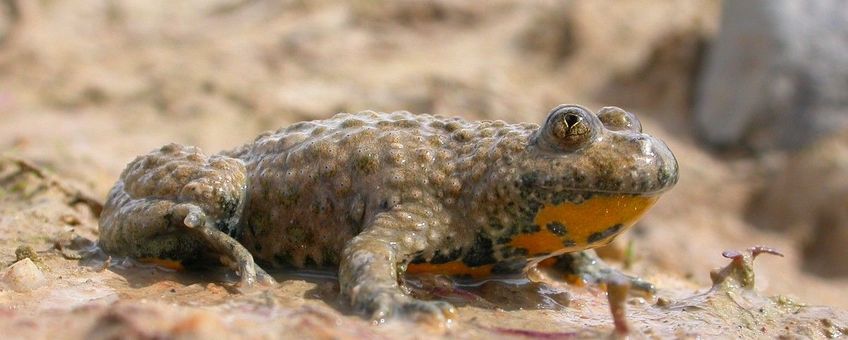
{"points": [[373, 193]]}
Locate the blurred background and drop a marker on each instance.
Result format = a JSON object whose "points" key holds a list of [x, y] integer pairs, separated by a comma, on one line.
{"points": [[751, 96]]}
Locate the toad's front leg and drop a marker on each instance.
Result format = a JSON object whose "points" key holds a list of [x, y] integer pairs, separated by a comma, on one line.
{"points": [[590, 268], [369, 269]]}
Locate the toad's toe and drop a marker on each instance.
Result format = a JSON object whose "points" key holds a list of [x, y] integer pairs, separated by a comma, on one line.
{"points": [[388, 305]]}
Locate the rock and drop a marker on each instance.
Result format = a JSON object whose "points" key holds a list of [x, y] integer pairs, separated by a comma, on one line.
{"points": [[806, 200], [24, 276], [777, 75]]}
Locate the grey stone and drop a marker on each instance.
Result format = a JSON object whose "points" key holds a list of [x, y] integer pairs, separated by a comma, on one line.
{"points": [[806, 200], [776, 76]]}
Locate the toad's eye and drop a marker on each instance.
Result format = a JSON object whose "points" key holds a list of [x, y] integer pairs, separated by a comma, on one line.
{"points": [[617, 119], [568, 128]]}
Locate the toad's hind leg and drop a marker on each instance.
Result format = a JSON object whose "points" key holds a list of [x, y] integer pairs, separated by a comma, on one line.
{"points": [[176, 203]]}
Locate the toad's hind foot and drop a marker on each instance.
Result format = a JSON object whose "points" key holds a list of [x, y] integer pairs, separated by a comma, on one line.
{"points": [[234, 255], [587, 267]]}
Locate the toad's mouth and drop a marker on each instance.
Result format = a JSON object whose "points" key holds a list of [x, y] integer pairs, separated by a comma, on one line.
{"points": [[615, 181], [577, 226], [607, 170]]}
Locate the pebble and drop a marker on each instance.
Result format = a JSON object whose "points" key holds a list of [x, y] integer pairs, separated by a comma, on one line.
{"points": [[24, 276]]}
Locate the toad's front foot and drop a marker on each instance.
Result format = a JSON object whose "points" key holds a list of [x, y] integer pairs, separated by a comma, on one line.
{"points": [[587, 267], [384, 304], [368, 273]]}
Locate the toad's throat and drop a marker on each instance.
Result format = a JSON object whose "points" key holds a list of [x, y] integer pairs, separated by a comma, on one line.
{"points": [[576, 226]]}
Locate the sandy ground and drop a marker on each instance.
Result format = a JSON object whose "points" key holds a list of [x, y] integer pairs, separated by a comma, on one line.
{"points": [[86, 86]]}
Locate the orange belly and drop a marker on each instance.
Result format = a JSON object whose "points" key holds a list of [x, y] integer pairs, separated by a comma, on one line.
{"points": [[593, 216]]}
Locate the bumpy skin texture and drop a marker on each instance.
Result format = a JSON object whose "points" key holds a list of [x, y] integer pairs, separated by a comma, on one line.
{"points": [[377, 193]]}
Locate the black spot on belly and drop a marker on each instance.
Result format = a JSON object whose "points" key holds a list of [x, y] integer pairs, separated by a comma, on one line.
{"points": [[511, 253], [453, 255], [509, 267], [557, 228], [530, 228], [596, 237], [481, 253]]}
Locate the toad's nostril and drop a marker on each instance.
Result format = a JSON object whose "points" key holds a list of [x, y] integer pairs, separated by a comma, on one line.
{"points": [[646, 147]]}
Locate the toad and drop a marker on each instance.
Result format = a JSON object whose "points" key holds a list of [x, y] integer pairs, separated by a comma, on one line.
{"points": [[380, 194]]}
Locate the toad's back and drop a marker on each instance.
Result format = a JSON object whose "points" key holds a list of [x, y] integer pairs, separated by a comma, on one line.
{"points": [[314, 185]]}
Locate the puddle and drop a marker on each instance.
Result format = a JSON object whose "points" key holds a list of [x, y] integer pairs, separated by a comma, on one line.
{"points": [[80, 292]]}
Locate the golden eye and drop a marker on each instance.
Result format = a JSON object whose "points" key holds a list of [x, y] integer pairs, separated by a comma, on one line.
{"points": [[569, 127], [617, 119]]}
